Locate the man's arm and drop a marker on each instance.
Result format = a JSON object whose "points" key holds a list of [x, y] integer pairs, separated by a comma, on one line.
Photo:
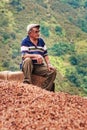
{"points": [[37, 57], [26, 55], [47, 60], [49, 66]]}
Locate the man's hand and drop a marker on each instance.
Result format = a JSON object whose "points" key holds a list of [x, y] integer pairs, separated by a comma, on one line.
{"points": [[39, 59], [50, 67]]}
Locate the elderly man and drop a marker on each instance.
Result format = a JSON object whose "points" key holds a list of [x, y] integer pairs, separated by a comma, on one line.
{"points": [[35, 58]]}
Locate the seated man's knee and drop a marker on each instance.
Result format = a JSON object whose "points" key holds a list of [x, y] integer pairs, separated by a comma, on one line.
{"points": [[54, 72], [28, 60]]}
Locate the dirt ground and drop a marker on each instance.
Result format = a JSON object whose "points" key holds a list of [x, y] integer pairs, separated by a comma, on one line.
{"points": [[28, 107]]}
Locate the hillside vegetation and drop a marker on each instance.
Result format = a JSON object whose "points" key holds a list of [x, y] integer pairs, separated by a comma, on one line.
{"points": [[64, 29]]}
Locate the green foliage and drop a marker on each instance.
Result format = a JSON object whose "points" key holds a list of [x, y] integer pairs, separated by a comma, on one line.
{"points": [[79, 60], [82, 23], [73, 60], [78, 76], [15, 53], [58, 30], [85, 4], [78, 79], [6, 38], [76, 3], [79, 20], [45, 30], [70, 18], [81, 70], [17, 4], [41, 2], [5, 64], [62, 48], [13, 35], [4, 18], [73, 77]]}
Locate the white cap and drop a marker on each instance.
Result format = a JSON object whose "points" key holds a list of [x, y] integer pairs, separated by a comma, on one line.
{"points": [[30, 26]]}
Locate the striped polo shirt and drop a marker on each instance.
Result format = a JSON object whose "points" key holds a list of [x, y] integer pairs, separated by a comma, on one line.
{"points": [[27, 47]]}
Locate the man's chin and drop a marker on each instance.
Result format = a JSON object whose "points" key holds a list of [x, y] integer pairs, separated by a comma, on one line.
{"points": [[37, 37]]}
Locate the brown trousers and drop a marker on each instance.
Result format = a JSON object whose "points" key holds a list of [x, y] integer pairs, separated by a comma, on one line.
{"points": [[41, 70]]}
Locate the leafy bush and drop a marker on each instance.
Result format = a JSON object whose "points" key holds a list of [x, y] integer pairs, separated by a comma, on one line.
{"points": [[73, 60], [58, 30], [6, 37], [61, 48], [78, 79], [78, 76], [15, 53], [85, 4], [81, 70], [4, 18], [5, 64], [17, 4], [42, 3], [70, 18], [82, 23], [73, 77], [45, 31], [79, 60], [75, 3], [13, 35]]}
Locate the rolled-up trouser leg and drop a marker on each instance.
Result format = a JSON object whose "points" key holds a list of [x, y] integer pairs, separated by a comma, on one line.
{"points": [[50, 76], [27, 68]]}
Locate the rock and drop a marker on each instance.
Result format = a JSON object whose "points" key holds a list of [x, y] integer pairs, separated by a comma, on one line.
{"points": [[18, 76]]}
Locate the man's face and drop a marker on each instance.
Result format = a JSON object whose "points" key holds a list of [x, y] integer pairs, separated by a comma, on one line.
{"points": [[34, 33]]}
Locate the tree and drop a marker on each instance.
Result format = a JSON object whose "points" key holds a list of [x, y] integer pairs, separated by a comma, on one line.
{"points": [[62, 48], [58, 30], [45, 31]]}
